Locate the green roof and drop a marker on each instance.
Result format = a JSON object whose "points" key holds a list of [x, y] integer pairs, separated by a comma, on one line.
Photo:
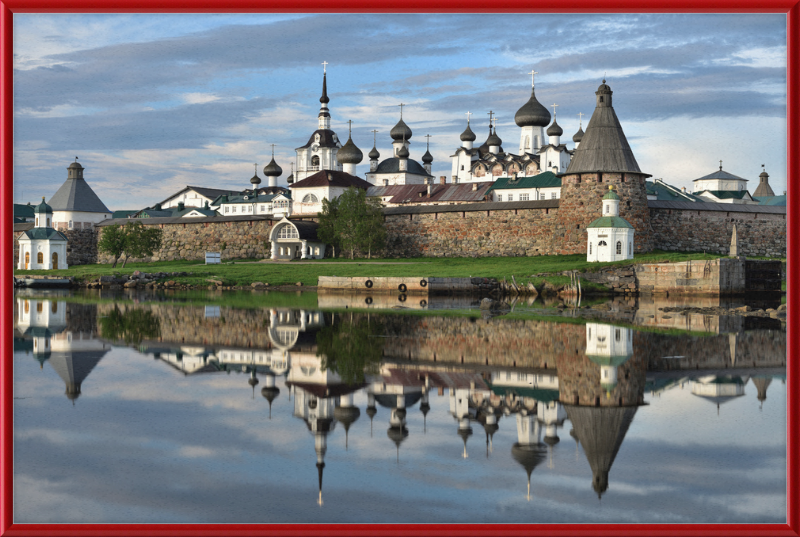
{"points": [[542, 180], [728, 194], [42, 208], [665, 192], [600, 359], [540, 394], [123, 214], [779, 201], [610, 221], [23, 211], [611, 195], [41, 233]]}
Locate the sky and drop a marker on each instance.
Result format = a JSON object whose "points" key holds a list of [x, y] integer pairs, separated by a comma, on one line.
{"points": [[153, 103]]}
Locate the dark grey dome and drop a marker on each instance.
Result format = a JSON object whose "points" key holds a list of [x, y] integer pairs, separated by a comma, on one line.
{"points": [[532, 114], [252, 381], [425, 408], [270, 393], [255, 180], [75, 165], [392, 165], [400, 131], [555, 129], [427, 158], [578, 136], [494, 139], [603, 88], [371, 411], [346, 415], [349, 153], [389, 400], [551, 440], [465, 433], [397, 434], [468, 135], [290, 179], [272, 169], [402, 152], [401, 413], [374, 155]]}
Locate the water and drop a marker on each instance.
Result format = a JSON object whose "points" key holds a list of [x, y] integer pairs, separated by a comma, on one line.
{"points": [[145, 408]]}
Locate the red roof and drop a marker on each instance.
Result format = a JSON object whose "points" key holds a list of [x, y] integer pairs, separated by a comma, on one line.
{"points": [[460, 192], [332, 178]]}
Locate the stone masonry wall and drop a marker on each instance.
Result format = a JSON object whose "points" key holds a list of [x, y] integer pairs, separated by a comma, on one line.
{"points": [[582, 202], [759, 234], [81, 246]]}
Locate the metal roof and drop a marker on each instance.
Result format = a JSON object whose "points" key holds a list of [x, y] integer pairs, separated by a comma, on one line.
{"points": [[719, 207], [210, 193], [721, 174], [603, 146], [542, 180], [461, 192], [467, 207], [331, 178], [178, 220], [392, 165], [43, 233], [77, 195], [728, 194], [327, 138], [23, 211]]}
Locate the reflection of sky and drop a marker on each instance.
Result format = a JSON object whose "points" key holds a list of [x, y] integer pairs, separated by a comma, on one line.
{"points": [[146, 444]]}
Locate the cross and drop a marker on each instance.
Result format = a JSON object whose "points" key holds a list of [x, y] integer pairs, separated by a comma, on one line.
{"points": [[490, 120], [532, 73], [580, 115], [428, 136], [720, 164], [554, 109], [256, 166], [324, 67], [401, 105], [273, 151], [350, 126], [468, 114], [374, 137]]}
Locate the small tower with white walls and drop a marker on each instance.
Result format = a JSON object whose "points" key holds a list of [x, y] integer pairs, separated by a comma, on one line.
{"points": [[374, 155], [532, 118], [401, 134], [427, 158], [609, 347], [349, 155], [402, 156], [43, 247], [610, 238]]}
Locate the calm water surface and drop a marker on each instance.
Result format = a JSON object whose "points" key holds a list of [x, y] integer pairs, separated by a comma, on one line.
{"points": [[293, 408]]}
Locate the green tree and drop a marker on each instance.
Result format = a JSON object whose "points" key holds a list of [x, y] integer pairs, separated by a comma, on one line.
{"points": [[131, 326], [351, 347], [112, 241], [372, 232], [326, 232], [141, 240]]}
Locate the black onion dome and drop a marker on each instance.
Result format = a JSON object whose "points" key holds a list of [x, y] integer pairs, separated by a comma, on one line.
{"points": [[400, 131], [401, 413], [532, 114], [270, 393], [403, 152], [374, 155], [255, 180], [252, 381], [555, 129], [578, 136], [349, 153], [468, 135], [427, 158], [494, 139], [272, 169], [371, 411], [290, 179]]}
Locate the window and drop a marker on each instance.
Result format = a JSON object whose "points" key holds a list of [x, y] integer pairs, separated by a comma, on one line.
{"points": [[263, 208], [48, 222], [233, 209], [619, 247], [527, 142], [601, 98], [288, 231], [616, 331], [39, 307], [608, 207], [310, 198], [54, 305], [37, 220], [511, 197], [590, 251], [27, 306], [553, 196], [227, 209], [602, 243], [55, 262], [499, 197], [462, 166], [315, 159], [524, 197], [40, 258], [70, 224]]}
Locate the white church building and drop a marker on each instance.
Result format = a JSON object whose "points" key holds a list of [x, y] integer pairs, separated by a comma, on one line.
{"points": [[610, 238], [43, 247]]}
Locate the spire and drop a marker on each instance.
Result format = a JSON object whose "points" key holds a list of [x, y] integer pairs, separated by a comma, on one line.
{"points": [[320, 467], [324, 99]]}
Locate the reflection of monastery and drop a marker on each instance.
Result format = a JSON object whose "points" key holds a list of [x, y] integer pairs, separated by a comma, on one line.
{"points": [[598, 391]]}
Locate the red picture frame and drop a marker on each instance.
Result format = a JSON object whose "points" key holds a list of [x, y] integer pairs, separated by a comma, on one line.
{"points": [[9, 7]]}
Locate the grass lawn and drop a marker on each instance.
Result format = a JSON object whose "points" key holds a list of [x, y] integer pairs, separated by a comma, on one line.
{"points": [[245, 272]]}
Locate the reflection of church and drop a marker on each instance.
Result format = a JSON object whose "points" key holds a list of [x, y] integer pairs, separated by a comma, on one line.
{"points": [[71, 353]]}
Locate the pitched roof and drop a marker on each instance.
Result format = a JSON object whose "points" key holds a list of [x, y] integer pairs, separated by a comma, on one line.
{"points": [[665, 192], [77, 195], [123, 213], [541, 180], [331, 178], [721, 174], [603, 146], [210, 193], [772, 200], [392, 165], [764, 190], [461, 192], [42, 233], [23, 211], [727, 194]]}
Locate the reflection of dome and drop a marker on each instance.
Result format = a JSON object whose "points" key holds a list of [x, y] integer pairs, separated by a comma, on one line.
{"points": [[397, 435], [529, 456], [389, 400], [551, 440], [346, 415], [401, 413], [424, 408], [270, 393], [371, 411]]}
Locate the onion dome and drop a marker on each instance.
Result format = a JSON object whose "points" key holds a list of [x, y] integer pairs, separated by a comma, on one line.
{"points": [[255, 180], [272, 169], [346, 415], [374, 155], [43, 208], [578, 136], [252, 381], [532, 114], [611, 195], [427, 158], [424, 408], [551, 440], [349, 153], [402, 152], [400, 131], [468, 135], [494, 139], [401, 413], [270, 393], [290, 179], [555, 129], [371, 411], [397, 434]]}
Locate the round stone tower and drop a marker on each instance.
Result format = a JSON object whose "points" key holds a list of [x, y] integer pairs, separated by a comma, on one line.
{"points": [[604, 158]]}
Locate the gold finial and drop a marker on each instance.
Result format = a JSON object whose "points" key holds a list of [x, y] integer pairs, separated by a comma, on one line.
{"points": [[611, 187]]}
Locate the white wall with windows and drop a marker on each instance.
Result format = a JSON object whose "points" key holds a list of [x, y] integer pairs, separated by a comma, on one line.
{"points": [[526, 194]]}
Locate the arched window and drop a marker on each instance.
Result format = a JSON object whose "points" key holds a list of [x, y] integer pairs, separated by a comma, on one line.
{"points": [[310, 198], [616, 334], [54, 307], [287, 231], [55, 262], [39, 307], [608, 207], [27, 306], [315, 160], [536, 142], [27, 260], [602, 243], [630, 248], [601, 98], [590, 251], [40, 258], [619, 247]]}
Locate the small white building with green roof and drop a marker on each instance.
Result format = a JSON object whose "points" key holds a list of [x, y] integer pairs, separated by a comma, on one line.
{"points": [[610, 237], [42, 247], [609, 347]]}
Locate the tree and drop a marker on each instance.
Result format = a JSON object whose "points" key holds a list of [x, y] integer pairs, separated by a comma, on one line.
{"points": [[131, 326], [357, 223], [112, 242], [351, 347], [373, 233], [141, 241], [326, 232]]}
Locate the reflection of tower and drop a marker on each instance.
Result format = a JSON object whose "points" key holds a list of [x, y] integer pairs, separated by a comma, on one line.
{"points": [[346, 414], [719, 389], [270, 391], [459, 408], [371, 410], [39, 319], [609, 347], [529, 450], [74, 355], [551, 414], [398, 398], [424, 407], [397, 431], [601, 431], [488, 418], [317, 412], [762, 383], [253, 381]]}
